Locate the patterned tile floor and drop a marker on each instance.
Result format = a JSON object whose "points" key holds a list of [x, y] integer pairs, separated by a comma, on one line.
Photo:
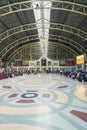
{"points": [[43, 102]]}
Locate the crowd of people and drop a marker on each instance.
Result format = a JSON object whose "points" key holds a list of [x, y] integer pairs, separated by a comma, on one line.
{"points": [[12, 72], [80, 75]]}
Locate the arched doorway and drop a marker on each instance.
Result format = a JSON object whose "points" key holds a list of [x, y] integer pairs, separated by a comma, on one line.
{"points": [[43, 64]]}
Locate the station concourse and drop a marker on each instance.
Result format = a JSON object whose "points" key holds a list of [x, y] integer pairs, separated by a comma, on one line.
{"points": [[43, 64]]}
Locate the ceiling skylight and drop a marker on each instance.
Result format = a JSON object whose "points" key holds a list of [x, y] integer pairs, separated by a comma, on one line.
{"points": [[42, 17]]}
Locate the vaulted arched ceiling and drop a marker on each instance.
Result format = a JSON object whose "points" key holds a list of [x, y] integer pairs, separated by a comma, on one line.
{"points": [[67, 29]]}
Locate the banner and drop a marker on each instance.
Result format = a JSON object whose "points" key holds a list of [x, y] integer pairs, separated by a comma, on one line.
{"points": [[69, 62], [25, 63], [80, 59], [62, 63]]}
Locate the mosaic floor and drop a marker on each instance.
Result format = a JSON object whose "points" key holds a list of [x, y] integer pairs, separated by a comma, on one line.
{"points": [[43, 102]]}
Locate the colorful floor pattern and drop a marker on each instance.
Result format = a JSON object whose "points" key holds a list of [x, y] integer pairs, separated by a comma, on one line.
{"points": [[43, 102]]}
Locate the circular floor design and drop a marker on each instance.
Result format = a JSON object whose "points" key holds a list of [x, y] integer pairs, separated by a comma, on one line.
{"points": [[29, 95]]}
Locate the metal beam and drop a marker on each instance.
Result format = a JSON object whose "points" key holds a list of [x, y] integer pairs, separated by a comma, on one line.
{"points": [[70, 42], [57, 45], [53, 26], [57, 5]]}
